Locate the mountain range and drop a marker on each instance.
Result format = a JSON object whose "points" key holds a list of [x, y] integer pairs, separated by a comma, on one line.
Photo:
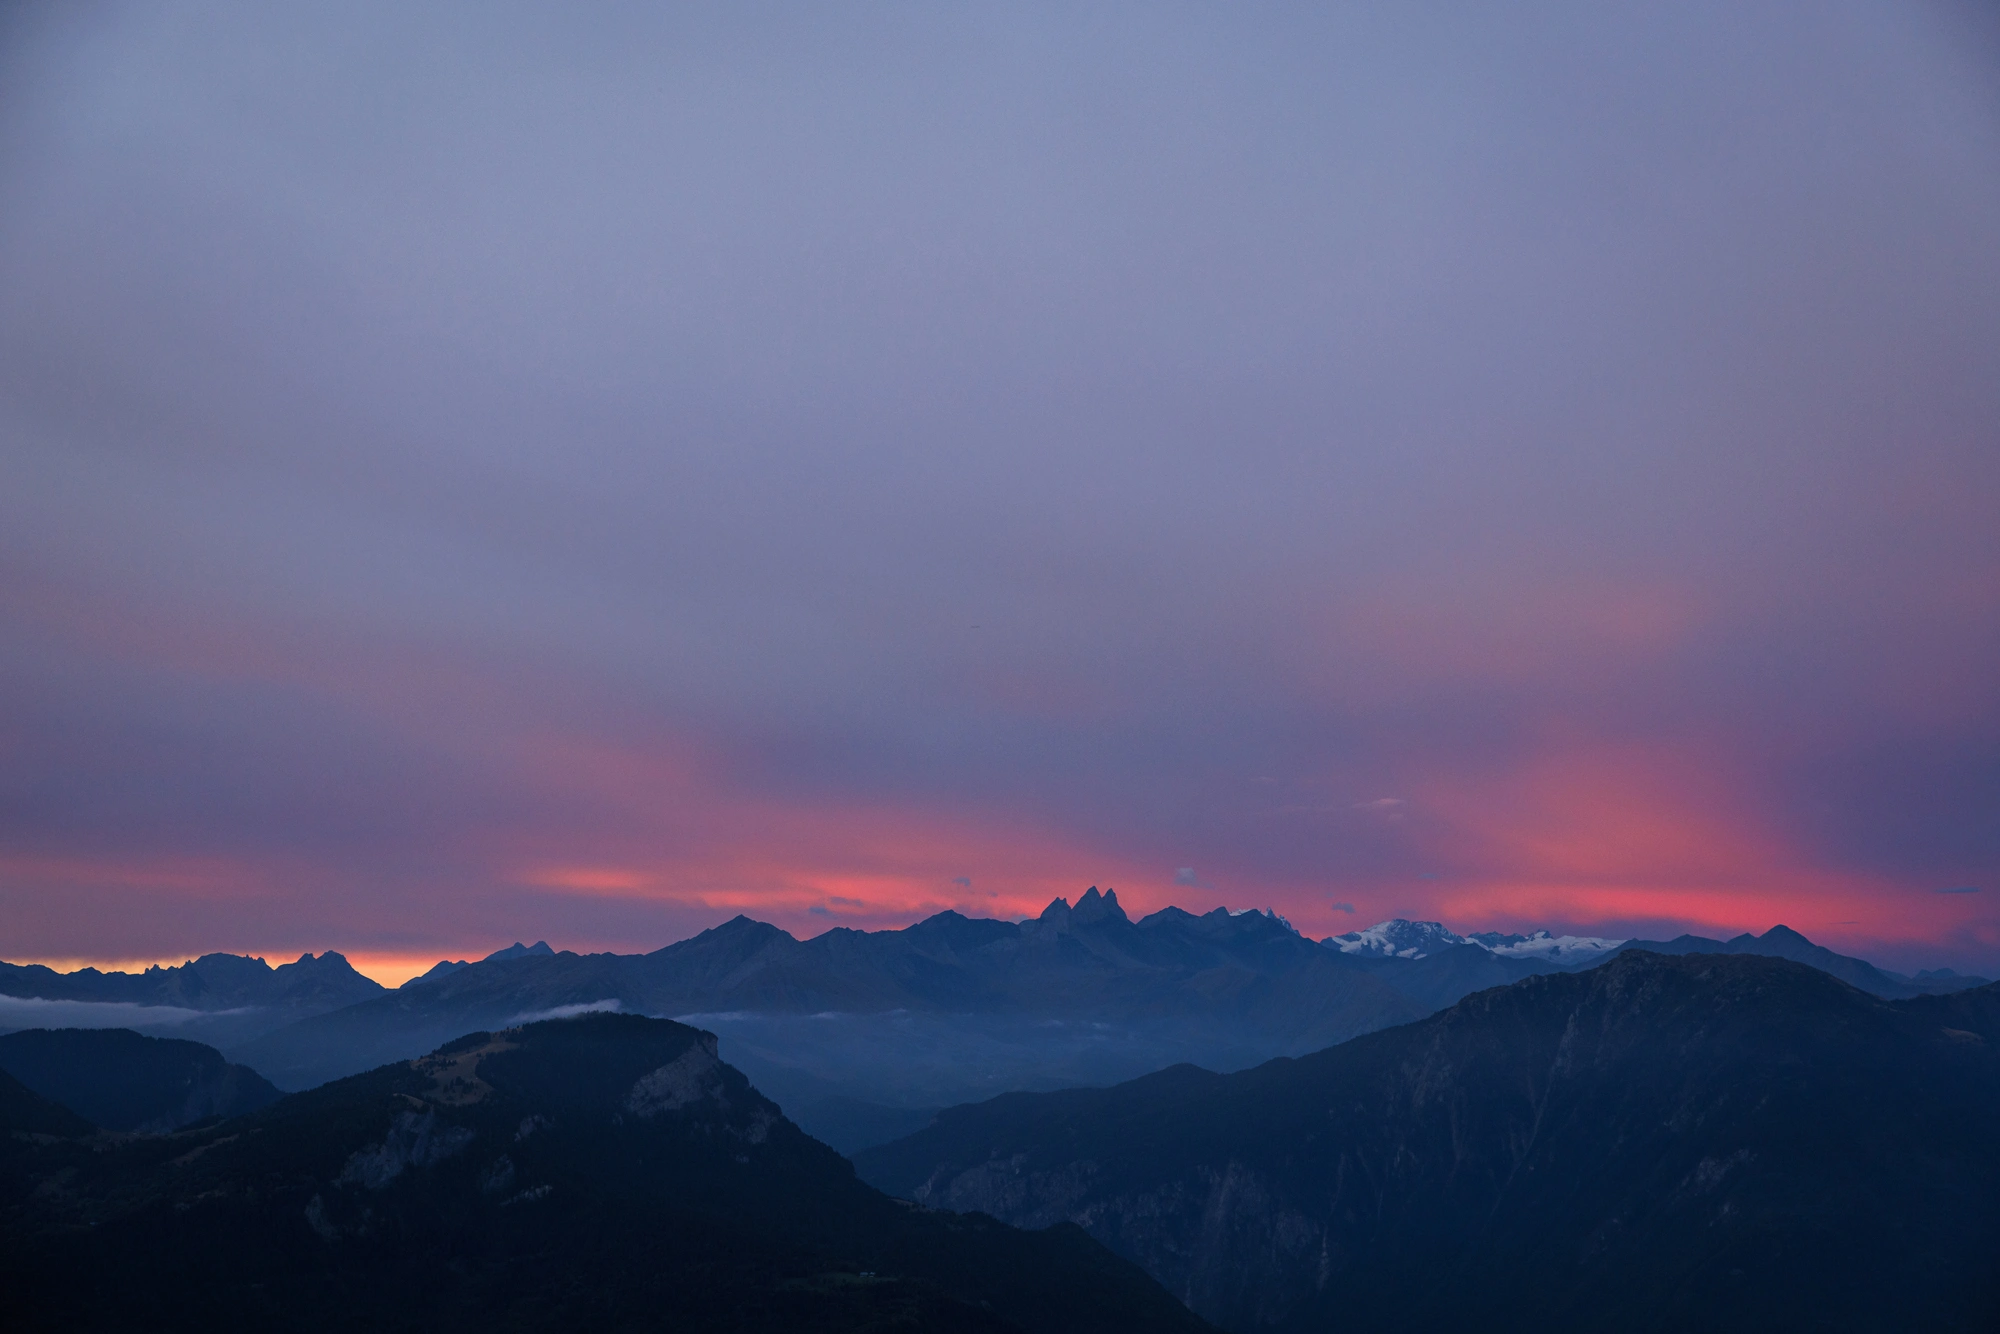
{"points": [[861, 1036], [1710, 1140], [603, 1172], [1402, 939], [218, 998]]}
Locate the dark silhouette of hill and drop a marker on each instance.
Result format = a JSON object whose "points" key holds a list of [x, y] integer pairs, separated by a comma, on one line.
{"points": [[604, 1172], [121, 1080], [1709, 1141]]}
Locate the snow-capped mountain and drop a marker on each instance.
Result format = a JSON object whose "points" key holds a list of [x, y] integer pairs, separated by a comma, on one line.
{"points": [[1398, 938], [1542, 945], [1403, 939]]}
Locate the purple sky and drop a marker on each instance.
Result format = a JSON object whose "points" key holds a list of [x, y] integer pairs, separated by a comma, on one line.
{"points": [[475, 473]]}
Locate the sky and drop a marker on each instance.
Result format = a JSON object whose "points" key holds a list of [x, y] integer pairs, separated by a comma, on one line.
{"points": [[484, 473]]}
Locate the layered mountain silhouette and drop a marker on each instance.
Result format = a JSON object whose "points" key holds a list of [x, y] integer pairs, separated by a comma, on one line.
{"points": [[603, 1172], [122, 1080], [1703, 1141], [856, 1033], [861, 1035], [212, 982]]}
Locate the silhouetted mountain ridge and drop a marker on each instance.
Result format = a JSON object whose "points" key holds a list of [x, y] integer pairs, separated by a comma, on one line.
{"points": [[211, 982], [857, 1033], [1228, 988]]}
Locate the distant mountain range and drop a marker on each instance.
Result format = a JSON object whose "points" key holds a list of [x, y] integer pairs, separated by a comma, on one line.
{"points": [[1403, 939], [862, 1035], [608, 1172], [218, 998], [1709, 1141], [212, 982]]}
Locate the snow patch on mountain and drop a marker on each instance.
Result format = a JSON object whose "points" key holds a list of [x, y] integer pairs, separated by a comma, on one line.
{"points": [[1398, 938], [1403, 939], [1542, 945]]}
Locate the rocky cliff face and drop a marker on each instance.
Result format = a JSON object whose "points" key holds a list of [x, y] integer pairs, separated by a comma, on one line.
{"points": [[1719, 1142]]}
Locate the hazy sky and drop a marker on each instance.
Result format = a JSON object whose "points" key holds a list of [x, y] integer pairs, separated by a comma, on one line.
{"points": [[475, 473]]}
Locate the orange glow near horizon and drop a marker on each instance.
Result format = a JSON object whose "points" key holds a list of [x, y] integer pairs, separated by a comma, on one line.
{"points": [[1607, 840]]}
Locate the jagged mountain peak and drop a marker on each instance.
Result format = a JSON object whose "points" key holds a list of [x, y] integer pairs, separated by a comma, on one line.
{"points": [[1094, 907]]}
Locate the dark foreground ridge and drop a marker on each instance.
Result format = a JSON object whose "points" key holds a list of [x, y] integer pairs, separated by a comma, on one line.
{"points": [[1660, 1143], [604, 1172]]}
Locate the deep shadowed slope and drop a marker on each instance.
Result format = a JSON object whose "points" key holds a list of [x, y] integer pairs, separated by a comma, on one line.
{"points": [[606, 1172], [1658, 1143], [122, 1080], [24, 1112]]}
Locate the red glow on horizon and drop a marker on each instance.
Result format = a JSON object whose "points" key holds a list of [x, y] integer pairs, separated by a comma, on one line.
{"points": [[1617, 840]]}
